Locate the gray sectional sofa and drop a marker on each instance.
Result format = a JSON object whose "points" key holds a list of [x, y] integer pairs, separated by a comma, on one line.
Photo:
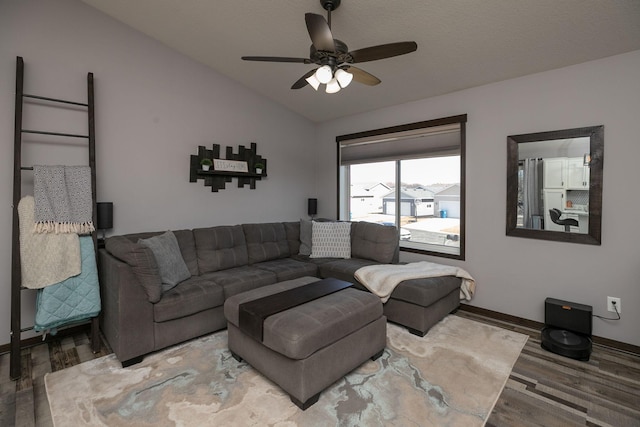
{"points": [[141, 314]]}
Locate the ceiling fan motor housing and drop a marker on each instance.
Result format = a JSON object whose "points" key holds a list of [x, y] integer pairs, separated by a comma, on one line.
{"points": [[330, 4], [340, 56]]}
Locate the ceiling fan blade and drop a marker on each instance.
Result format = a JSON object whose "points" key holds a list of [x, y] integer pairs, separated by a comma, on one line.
{"points": [[363, 77], [302, 82], [276, 59], [319, 32], [382, 51]]}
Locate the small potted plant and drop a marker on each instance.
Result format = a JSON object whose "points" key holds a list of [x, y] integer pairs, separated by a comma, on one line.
{"points": [[258, 167], [206, 164]]}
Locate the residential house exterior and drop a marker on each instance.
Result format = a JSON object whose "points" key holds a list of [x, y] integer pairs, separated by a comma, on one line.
{"points": [[447, 201], [417, 202], [366, 198]]}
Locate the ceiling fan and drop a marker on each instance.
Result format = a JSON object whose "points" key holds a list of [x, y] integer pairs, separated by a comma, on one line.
{"points": [[333, 56]]}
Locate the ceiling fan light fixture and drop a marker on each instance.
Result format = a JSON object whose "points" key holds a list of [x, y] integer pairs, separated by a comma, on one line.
{"points": [[313, 81], [324, 74], [343, 77], [333, 86]]}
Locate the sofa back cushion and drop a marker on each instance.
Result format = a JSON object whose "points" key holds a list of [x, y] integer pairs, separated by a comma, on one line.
{"points": [[292, 229], [142, 263], [306, 232], [220, 248], [374, 241], [266, 241], [185, 241], [188, 249]]}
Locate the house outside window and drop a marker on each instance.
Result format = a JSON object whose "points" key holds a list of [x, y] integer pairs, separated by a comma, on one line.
{"points": [[410, 176]]}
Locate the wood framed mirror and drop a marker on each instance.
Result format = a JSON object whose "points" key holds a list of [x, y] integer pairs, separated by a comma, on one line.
{"points": [[554, 185]]}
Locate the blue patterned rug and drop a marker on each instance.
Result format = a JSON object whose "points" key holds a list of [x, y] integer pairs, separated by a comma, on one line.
{"points": [[451, 377]]}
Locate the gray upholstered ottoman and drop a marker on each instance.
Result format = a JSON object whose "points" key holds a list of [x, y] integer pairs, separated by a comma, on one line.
{"points": [[306, 348]]}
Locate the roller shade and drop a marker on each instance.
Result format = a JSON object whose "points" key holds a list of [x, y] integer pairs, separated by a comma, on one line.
{"points": [[442, 140]]}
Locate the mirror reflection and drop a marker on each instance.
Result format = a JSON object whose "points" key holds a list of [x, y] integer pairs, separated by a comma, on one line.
{"points": [[554, 185]]}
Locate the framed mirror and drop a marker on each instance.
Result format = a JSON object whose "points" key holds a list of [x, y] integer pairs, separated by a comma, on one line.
{"points": [[554, 185]]}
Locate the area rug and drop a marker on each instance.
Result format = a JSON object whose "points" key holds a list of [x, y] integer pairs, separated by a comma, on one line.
{"points": [[451, 377]]}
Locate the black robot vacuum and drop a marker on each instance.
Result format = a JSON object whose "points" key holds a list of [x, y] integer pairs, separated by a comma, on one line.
{"points": [[567, 329]]}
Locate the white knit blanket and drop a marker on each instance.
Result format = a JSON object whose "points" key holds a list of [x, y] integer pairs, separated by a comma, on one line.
{"points": [[381, 280], [47, 258]]}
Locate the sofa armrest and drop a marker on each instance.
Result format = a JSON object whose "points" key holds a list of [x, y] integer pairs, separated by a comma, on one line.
{"points": [[127, 314]]}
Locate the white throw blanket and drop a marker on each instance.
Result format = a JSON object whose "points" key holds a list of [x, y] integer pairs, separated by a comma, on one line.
{"points": [[45, 259], [381, 280]]}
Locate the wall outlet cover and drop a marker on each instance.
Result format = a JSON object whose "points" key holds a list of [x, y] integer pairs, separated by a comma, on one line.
{"points": [[618, 305]]}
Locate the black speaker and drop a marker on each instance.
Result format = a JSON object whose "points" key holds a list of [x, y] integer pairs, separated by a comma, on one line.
{"points": [[312, 207], [105, 215], [567, 329]]}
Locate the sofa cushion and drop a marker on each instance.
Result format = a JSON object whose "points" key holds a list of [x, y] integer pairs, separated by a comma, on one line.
{"points": [[220, 248], [166, 251], [188, 249], [266, 241], [306, 229], [330, 240], [288, 268], [343, 269], [191, 296], [292, 229], [241, 279], [142, 263], [185, 241], [424, 292], [374, 241]]}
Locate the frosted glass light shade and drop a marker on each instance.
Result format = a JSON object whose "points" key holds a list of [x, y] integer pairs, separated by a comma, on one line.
{"points": [[324, 74], [333, 86], [344, 77], [313, 81]]}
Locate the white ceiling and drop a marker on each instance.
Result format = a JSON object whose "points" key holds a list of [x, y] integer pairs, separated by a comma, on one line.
{"points": [[461, 43]]}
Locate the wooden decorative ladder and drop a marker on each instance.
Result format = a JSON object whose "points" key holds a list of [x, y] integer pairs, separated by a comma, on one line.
{"points": [[16, 273]]}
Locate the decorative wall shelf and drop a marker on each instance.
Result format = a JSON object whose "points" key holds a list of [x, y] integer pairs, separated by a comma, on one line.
{"points": [[217, 179]]}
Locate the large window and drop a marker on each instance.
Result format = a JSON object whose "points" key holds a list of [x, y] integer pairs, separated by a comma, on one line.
{"points": [[411, 176]]}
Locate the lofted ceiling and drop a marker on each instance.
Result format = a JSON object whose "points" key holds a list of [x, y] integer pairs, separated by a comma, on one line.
{"points": [[461, 43]]}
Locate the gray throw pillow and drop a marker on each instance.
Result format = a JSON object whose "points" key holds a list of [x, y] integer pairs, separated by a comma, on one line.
{"points": [[171, 265], [306, 228]]}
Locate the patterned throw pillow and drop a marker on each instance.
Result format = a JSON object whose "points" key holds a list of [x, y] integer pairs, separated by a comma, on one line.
{"points": [[331, 240]]}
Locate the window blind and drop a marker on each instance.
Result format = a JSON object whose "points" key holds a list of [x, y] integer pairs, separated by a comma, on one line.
{"points": [[443, 140]]}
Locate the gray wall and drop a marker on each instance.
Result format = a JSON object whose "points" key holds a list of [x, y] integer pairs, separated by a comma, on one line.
{"points": [[153, 108], [515, 275]]}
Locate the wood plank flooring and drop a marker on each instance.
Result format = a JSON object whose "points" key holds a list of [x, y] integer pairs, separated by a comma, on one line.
{"points": [[544, 389]]}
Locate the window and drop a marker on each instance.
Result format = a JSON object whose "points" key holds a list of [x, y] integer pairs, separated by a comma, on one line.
{"points": [[413, 178]]}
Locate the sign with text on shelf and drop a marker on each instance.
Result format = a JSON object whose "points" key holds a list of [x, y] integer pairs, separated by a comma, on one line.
{"points": [[230, 165]]}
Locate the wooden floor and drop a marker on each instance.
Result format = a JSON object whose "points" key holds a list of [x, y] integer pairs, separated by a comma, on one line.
{"points": [[544, 389]]}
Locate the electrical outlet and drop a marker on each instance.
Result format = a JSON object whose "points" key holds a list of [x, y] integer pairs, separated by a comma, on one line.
{"points": [[610, 301]]}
